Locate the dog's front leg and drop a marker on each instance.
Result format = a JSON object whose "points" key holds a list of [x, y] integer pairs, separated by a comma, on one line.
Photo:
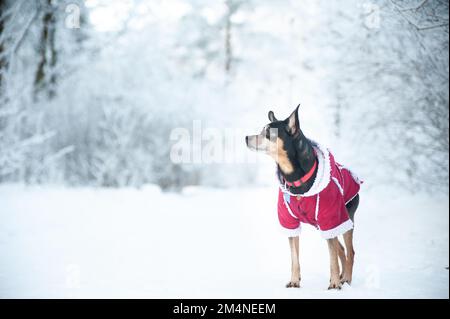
{"points": [[295, 266], [333, 248]]}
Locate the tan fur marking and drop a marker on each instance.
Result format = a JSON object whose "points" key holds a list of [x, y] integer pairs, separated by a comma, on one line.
{"points": [[280, 155], [274, 148], [295, 263], [333, 247]]}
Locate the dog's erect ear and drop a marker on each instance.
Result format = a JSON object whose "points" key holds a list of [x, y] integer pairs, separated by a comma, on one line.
{"points": [[272, 117], [293, 125]]}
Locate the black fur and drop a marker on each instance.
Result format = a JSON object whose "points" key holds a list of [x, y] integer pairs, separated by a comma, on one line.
{"points": [[301, 155], [299, 151], [352, 206]]}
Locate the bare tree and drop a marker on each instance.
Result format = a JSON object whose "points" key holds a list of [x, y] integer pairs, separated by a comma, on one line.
{"points": [[233, 7], [45, 77], [3, 61], [424, 15]]}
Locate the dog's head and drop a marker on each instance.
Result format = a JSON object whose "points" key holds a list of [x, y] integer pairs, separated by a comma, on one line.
{"points": [[278, 139]]}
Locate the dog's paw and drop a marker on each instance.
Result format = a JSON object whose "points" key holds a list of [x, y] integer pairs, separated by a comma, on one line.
{"points": [[346, 279], [335, 284], [293, 284]]}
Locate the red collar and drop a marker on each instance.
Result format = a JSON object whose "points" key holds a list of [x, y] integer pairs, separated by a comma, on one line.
{"points": [[304, 179]]}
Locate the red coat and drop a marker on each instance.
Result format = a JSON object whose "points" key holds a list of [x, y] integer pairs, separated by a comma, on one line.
{"points": [[323, 206]]}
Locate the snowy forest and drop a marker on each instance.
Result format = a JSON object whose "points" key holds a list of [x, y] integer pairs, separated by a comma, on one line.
{"points": [[90, 90]]}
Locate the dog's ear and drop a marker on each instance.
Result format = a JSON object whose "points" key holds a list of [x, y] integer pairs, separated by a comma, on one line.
{"points": [[293, 125], [272, 117]]}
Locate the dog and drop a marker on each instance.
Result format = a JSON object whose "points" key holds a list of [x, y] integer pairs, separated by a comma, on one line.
{"points": [[314, 189]]}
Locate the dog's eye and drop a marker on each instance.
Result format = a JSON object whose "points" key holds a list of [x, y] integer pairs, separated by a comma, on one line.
{"points": [[268, 133]]}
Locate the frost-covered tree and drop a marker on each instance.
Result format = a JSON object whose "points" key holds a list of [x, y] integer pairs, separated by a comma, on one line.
{"points": [[17, 140], [387, 73], [207, 34], [88, 107]]}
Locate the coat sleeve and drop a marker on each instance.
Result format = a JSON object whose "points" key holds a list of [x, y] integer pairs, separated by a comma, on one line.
{"points": [[288, 221]]}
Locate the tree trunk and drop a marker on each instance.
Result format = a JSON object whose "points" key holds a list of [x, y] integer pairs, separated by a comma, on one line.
{"points": [[3, 61], [228, 51], [228, 48], [45, 78], [337, 120]]}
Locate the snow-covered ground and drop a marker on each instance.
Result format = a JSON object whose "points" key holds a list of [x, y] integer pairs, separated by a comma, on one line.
{"points": [[57, 242]]}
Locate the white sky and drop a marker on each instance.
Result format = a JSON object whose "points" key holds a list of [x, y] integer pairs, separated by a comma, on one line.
{"points": [[109, 15]]}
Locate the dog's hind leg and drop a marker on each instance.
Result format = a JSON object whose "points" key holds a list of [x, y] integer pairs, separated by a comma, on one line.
{"points": [[350, 258], [347, 271], [342, 258]]}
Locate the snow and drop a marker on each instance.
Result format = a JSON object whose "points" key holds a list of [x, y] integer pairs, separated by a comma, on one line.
{"points": [[208, 243]]}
